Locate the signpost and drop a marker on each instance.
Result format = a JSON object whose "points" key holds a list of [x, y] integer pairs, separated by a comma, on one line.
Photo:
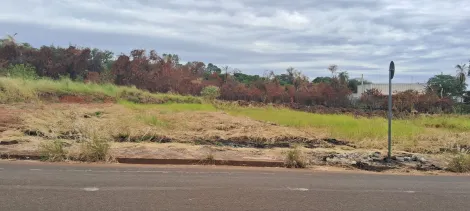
{"points": [[391, 73]]}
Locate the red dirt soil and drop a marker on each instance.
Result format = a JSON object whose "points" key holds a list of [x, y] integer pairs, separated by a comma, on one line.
{"points": [[9, 118]]}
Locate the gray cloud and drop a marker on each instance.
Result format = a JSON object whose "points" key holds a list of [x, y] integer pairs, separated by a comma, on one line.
{"points": [[423, 37]]}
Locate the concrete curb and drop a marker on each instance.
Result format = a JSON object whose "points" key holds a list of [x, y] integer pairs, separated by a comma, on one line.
{"points": [[152, 161]]}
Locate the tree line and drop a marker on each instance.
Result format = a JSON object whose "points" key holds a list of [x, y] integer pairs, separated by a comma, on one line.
{"points": [[164, 73]]}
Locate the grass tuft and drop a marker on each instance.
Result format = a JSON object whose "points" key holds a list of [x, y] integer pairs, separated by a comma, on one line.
{"points": [[95, 149], [53, 151], [460, 163], [295, 159]]}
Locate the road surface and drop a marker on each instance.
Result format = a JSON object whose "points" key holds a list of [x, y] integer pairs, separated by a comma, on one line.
{"points": [[42, 186]]}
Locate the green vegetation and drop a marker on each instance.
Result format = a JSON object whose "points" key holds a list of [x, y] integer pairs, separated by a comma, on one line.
{"points": [[153, 121], [25, 90], [339, 126], [53, 151], [457, 123], [20, 71], [210, 93], [169, 107]]}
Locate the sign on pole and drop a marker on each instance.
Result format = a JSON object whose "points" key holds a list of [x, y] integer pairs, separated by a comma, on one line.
{"points": [[391, 73]]}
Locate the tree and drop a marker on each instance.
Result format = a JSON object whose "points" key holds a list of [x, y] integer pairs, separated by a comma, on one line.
{"points": [[9, 39], [462, 72], [333, 69], [343, 77], [318, 80], [354, 83], [446, 86], [211, 68]]}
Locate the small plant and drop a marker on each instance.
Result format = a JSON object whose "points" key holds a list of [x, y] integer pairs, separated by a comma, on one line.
{"points": [[210, 93], [98, 113], [460, 163], [209, 158], [53, 151], [295, 159], [95, 149]]}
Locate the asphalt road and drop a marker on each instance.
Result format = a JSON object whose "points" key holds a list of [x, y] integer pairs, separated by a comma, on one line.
{"points": [[40, 186]]}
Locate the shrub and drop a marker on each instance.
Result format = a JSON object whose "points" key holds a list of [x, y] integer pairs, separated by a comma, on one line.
{"points": [[20, 71], [460, 163], [95, 149], [210, 92], [295, 159], [53, 151]]}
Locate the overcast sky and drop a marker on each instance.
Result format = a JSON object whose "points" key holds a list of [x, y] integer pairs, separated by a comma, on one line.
{"points": [[423, 37]]}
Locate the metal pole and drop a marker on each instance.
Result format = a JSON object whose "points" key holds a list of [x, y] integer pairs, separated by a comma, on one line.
{"points": [[389, 116]]}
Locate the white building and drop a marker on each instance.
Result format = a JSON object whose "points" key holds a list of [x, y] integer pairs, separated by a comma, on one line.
{"points": [[383, 88]]}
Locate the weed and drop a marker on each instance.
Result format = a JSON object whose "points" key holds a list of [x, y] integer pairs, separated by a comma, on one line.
{"points": [[95, 149], [53, 151], [209, 159], [460, 163], [98, 113], [153, 121], [295, 159]]}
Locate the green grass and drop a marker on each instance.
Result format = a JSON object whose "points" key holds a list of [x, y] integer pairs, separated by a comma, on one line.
{"points": [[339, 126], [20, 90], [153, 121], [169, 107], [450, 122]]}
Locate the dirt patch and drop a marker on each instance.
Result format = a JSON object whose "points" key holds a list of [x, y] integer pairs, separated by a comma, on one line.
{"points": [[9, 119]]}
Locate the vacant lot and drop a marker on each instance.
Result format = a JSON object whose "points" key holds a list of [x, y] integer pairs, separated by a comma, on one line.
{"points": [[67, 114]]}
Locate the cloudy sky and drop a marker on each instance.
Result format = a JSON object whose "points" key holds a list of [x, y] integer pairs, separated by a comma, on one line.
{"points": [[423, 37]]}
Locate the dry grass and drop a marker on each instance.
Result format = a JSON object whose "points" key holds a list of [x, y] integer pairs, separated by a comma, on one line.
{"points": [[53, 151], [460, 163], [295, 158], [186, 123]]}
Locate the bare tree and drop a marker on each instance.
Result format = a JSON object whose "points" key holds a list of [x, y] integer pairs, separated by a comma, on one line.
{"points": [[333, 69]]}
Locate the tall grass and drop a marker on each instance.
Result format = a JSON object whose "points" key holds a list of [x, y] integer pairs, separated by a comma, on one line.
{"points": [[25, 90], [451, 122], [339, 126], [170, 107]]}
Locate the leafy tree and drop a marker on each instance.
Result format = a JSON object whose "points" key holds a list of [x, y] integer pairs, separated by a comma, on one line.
{"points": [[446, 85], [211, 68], [462, 72], [210, 92], [354, 83], [343, 77], [322, 80], [246, 79]]}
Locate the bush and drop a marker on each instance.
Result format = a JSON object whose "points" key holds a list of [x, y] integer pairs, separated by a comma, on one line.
{"points": [[295, 159], [210, 92], [95, 149], [53, 151], [460, 163], [23, 71]]}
